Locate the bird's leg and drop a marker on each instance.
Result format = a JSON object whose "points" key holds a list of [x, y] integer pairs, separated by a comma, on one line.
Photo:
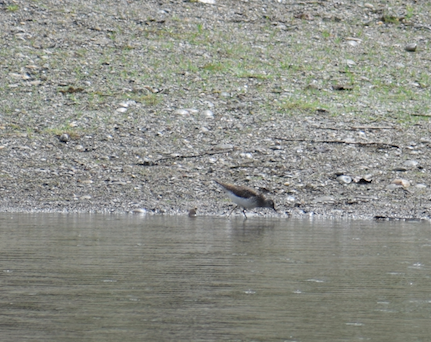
{"points": [[243, 211], [232, 210]]}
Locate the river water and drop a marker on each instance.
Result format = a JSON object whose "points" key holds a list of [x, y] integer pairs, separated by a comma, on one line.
{"points": [[155, 278]]}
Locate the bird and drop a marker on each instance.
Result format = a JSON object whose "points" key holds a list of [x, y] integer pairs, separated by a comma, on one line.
{"points": [[245, 197]]}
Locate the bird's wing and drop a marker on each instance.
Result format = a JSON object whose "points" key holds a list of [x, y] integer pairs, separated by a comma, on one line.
{"points": [[240, 191]]}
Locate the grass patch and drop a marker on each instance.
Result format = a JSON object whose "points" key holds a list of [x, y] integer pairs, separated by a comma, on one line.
{"points": [[73, 133], [148, 99], [12, 8], [214, 67], [301, 105]]}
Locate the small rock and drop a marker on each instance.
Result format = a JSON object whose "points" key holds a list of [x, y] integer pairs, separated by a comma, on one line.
{"points": [[208, 114], [15, 75], [223, 147], [401, 182], [121, 110], [411, 47], [124, 104], [192, 212], [400, 169], [85, 197], [140, 211], [421, 186], [350, 63], [363, 180], [344, 179], [181, 112], [354, 39], [210, 2], [352, 42], [64, 138], [324, 199], [192, 110], [411, 163]]}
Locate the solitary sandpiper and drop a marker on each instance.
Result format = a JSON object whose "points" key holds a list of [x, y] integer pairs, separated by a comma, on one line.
{"points": [[245, 197]]}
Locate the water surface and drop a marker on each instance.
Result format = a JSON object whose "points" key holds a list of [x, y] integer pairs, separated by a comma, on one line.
{"points": [[137, 278]]}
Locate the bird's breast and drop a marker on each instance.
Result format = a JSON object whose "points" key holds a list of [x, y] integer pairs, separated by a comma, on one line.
{"points": [[247, 203]]}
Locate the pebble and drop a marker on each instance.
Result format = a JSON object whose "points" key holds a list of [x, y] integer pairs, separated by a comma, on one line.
{"points": [[352, 42], [411, 163], [208, 114], [354, 39], [420, 186], [400, 169], [121, 110], [350, 63], [140, 211], [192, 110], [85, 197], [209, 2], [363, 180], [223, 147], [126, 104], [411, 47], [344, 179], [401, 182], [181, 112], [246, 155], [64, 138], [324, 199]]}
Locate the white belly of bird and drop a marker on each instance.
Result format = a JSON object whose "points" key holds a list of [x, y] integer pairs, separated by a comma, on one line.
{"points": [[247, 203]]}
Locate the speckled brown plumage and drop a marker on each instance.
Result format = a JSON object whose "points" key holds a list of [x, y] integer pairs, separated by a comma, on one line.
{"points": [[245, 197]]}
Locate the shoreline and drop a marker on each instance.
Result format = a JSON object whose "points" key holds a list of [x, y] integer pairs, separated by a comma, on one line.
{"points": [[112, 108]]}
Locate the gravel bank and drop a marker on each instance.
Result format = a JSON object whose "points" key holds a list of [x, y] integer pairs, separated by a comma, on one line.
{"points": [[117, 106]]}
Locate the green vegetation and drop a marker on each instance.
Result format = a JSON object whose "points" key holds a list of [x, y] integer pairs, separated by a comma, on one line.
{"points": [[190, 58], [12, 8]]}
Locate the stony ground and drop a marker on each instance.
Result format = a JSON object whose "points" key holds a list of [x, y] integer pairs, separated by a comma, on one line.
{"points": [[114, 106]]}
